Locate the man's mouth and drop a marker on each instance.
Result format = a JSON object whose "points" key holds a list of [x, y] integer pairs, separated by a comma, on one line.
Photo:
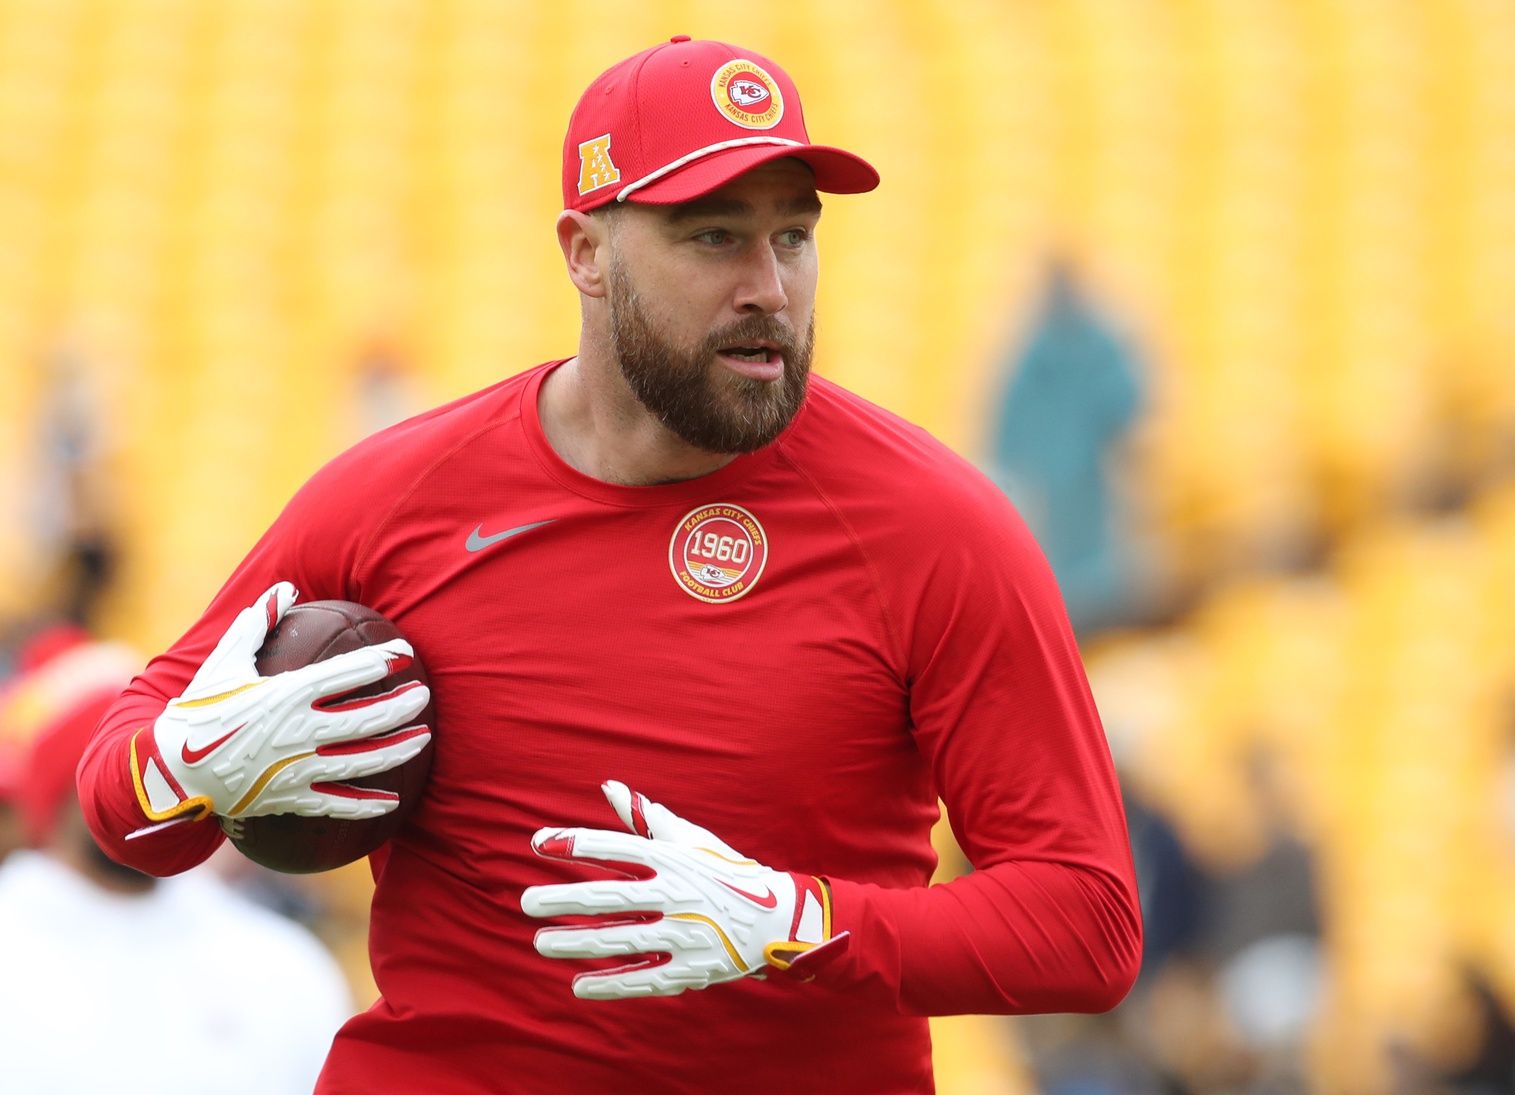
{"points": [[758, 351], [758, 360]]}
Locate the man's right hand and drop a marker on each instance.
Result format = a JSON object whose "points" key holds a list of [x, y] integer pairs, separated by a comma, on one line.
{"points": [[238, 744]]}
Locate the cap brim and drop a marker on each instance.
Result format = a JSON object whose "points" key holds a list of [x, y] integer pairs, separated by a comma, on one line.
{"points": [[836, 172]]}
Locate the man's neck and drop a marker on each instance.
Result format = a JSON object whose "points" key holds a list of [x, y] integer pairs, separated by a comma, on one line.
{"points": [[598, 427]]}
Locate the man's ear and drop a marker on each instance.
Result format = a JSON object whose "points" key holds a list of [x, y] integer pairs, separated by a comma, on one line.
{"points": [[585, 241]]}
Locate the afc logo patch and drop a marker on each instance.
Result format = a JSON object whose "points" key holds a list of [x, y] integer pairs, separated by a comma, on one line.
{"points": [[747, 95], [596, 168], [718, 553]]}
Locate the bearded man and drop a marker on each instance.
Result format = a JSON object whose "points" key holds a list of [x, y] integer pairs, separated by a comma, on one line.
{"points": [[770, 622]]}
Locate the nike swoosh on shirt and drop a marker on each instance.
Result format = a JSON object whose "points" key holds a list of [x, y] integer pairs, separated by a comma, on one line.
{"points": [[195, 756], [769, 900], [478, 542]]}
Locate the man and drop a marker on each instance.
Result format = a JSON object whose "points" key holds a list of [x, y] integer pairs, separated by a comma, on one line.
{"points": [[771, 619], [91, 974]]}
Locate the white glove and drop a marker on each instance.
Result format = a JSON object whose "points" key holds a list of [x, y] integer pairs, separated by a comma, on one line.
{"points": [[240, 745], [724, 916]]}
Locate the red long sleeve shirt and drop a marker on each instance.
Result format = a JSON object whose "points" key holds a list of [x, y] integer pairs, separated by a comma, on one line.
{"points": [[800, 652]]}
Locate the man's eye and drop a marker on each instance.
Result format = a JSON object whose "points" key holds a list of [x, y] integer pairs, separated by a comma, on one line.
{"points": [[795, 237], [714, 235]]}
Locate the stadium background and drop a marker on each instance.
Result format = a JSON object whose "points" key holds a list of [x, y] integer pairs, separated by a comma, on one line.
{"points": [[1222, 292]]}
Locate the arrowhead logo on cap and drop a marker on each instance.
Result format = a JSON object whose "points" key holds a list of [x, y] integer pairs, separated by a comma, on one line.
{"points": [[747, 95]]}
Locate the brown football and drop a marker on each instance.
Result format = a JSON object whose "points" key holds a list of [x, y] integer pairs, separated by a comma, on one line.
{"points": [[296, 844]]}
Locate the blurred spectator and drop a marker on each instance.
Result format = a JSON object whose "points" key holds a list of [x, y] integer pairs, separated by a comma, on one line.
{"points": [[1263, 938], [10, 822], [1172, 885], [1273, 893], [11, 755], [1230, 1005], [1074, 393], [1090, 1055], [27, 700], [95, 947], [386, 390], [73, 511], [1483, 1065], [1232, 974], [1271, 992]]}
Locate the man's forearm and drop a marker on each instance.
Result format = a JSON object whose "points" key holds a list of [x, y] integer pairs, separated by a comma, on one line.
{"points": [[1014, 938], [109, 799]]}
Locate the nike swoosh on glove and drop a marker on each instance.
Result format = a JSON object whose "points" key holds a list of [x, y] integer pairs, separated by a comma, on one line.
{"points": [[237, 744], [720, 915]]}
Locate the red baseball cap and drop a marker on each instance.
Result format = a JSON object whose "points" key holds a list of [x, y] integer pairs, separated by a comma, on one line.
{"points": [[47, 778], [680, 119], [54, 708]]}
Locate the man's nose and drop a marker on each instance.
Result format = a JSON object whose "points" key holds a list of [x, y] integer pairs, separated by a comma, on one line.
{"points": [[761, 289]]}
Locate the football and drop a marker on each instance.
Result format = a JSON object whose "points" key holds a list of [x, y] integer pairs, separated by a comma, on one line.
{"points": [[295, 844]]}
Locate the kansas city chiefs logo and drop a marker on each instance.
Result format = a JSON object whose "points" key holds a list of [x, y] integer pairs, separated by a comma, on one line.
{"points": [[746, 93]]}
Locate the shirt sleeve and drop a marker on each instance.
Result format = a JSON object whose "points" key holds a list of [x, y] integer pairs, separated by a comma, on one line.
{"points": [[1049, 919], [314, 544]]}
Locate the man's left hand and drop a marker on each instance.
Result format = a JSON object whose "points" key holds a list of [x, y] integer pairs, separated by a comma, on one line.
{"points": [[721, 916]]}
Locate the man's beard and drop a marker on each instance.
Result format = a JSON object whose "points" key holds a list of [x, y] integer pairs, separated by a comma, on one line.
{"points": [[705, 404]]}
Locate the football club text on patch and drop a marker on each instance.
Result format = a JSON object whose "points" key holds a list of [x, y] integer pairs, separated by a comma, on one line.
{"points": [[718, 552], [747, 95]]}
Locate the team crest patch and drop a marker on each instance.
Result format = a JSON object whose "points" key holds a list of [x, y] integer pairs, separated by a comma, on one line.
{"points": [[596, 168], [747, 95], [718, 552]]}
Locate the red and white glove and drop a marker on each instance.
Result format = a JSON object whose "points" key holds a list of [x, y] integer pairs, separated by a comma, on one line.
{"points": [[237, 744], [722, 916]]}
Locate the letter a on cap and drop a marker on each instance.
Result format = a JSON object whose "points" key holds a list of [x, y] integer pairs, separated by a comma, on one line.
{"points": [[596, 169]]}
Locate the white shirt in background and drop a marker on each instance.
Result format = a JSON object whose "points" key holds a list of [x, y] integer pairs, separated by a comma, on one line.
{"points": [[187, 987]]}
